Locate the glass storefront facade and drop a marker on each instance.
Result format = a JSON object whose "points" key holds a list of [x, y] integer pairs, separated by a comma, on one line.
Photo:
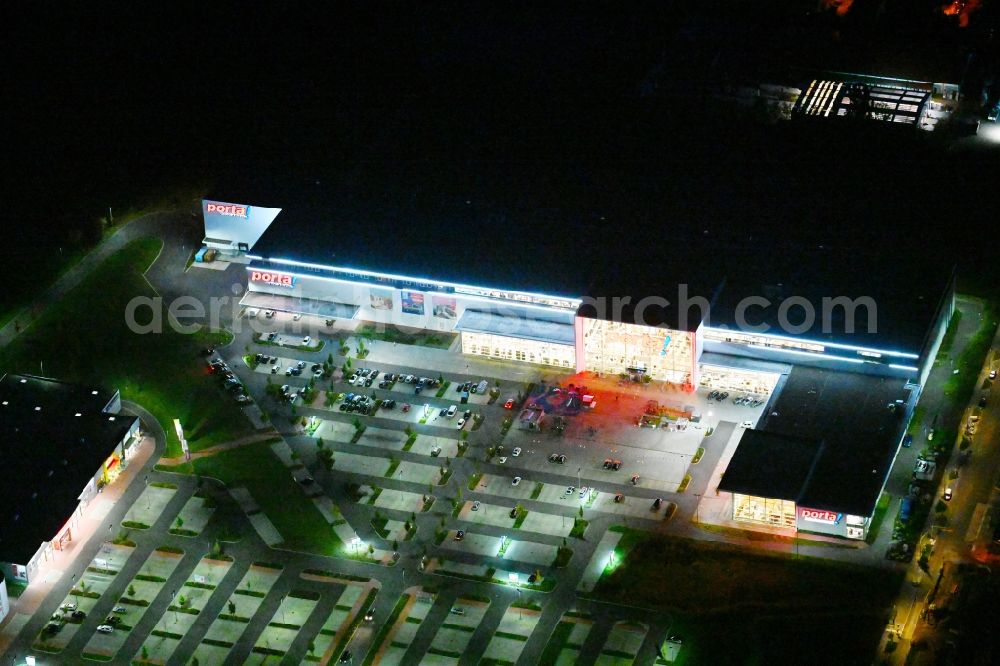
{"points": [[518, 349], [764, 510], [660, 353]]}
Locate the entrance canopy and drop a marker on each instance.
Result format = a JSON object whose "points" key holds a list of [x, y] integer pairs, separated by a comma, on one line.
{"points": [[515, 324], [296, 305]]}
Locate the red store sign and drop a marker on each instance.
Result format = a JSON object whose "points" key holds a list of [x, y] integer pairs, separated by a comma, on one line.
{"points": [[232, 210], [820, 516], [276, 279]]}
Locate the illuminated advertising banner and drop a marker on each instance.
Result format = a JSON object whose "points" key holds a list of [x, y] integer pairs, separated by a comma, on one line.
{"points": [[235, 224], [412, 302], [232, 210], [444, 307], [820, 516], [273, 278], [381, 299]]}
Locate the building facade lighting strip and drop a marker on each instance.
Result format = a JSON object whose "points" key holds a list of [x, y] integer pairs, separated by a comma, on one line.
{"points": [[810, 354], [835, 345], [573, 302]]}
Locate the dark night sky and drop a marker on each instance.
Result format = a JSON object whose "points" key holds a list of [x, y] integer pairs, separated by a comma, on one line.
{"points": [[524, 111]]}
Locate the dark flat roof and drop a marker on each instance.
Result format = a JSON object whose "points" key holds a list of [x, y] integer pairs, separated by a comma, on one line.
{"points": [[446, 237], [906, 294], [49, 455], [772, 465], [848, 412]]}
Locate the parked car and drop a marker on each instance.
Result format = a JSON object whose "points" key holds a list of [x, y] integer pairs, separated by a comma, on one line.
{"points": [[656, 503], [460, 424], [513, 512], [516, 452], [68, 607], [459, 535], [78, 615], [509, 404], [306, 339], [475, 505], [106, 629], [515, 481], [451, 411], [619, 498], [406, 407], [948, 492], [907, 441], [436, 451], [502, 459]]}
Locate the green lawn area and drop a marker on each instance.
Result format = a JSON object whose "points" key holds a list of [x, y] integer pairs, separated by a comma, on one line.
{"points": [[389, 333], [970, 360], [740, 606], [279, 497], [84, 338]]}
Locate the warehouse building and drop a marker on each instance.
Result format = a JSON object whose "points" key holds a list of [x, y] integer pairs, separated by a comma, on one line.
{"points": [[61, 444]]}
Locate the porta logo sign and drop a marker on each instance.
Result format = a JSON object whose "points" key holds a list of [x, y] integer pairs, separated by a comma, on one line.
{"points": [[276, 279], [818, 516], [232, 210]]}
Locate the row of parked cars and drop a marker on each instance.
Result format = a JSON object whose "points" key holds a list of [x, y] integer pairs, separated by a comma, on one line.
{"points": [[473, 387], [745, 400], [230, 381]]}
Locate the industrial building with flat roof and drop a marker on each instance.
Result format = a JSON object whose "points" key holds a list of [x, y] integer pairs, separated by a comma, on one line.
{"points": [[60, 442]]}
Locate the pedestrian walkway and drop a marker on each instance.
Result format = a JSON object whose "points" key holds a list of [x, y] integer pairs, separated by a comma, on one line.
{"points": [[225, 446]]}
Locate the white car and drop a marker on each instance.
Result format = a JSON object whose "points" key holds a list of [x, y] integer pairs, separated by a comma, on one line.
{"points": [[296, 316], [106, 629], [252, 313], [475, 505], [515, 481], [503, 459], [451, 411], [516, 452], [460, 424], [993, 374], [584, 491], [306, 340], [68, 607]]}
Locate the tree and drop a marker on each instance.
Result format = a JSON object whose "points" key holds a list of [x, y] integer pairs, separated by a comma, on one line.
{"points": [[464, 436], [371, 549], [182, 601], [232, 607], [131, 590], [395, 545], [329, 359], [320, 443], [179, 522], [413, 517], [145, 653], [312, 647], [581, 512]]}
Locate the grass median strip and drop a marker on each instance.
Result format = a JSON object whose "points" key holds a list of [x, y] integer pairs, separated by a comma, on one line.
{"points": [[383, 632], [170, 382]]}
